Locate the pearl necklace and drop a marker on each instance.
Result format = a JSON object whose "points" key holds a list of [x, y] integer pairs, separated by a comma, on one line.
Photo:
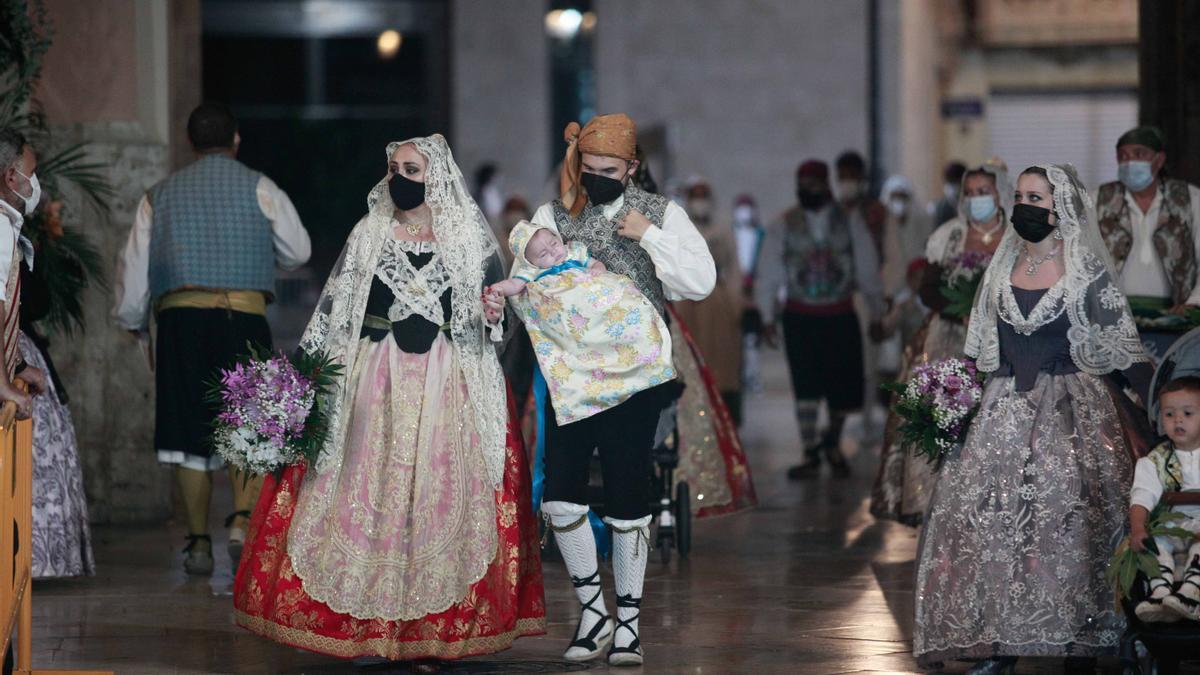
{"points": [[1034, 264], [988, 234]]}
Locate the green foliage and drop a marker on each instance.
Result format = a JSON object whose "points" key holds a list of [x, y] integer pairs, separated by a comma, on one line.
{"points": [[67, 265], [919, 432], [71, 164], [1125, 564], [66, 262], [24, 39], [961, 296]]}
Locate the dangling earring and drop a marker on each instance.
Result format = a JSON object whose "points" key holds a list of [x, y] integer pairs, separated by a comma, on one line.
{"points": [[1058, 233]]}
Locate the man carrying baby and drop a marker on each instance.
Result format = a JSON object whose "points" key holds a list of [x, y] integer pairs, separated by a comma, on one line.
{"points": [[650, 240]]}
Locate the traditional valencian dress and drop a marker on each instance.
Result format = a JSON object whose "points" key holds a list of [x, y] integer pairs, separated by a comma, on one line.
{"points": [[412, 537], [905, 481], [1026, 514], [598, 340]]}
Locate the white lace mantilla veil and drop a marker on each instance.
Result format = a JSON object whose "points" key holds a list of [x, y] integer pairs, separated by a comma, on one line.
{"points": [[467, 248], [1102, 335]]}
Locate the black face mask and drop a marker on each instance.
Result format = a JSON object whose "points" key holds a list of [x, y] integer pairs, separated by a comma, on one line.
{"points": [[406, 194], [601, 189], [812, 200], [1032, 223]]}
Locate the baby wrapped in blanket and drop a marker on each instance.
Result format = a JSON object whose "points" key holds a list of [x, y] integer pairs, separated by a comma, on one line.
{"points": [[597, 339]]}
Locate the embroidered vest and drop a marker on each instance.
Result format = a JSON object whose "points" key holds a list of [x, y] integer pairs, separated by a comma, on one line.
{"points": [[819, 273], [209, 231], [1172, 234], [619, 254], [1170, 471]]}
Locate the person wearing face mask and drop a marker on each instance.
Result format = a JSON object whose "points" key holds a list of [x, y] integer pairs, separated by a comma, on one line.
{"points": [[905, 481], [946, 207], [817, 258], [20, 193], [1150, 224], [715, 322], [904, 233], [1028, 510], [652, 241], [200, 260], [748, 234], [856, 202], [412, 536], [906, 229]]}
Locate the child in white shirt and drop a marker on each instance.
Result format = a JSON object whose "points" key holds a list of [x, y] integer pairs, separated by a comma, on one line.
{"points": [[1172, 466]]}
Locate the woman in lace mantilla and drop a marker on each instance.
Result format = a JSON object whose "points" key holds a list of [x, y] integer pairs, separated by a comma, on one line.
{"points": [[412, 536], [905, 481], [1025, 515]]}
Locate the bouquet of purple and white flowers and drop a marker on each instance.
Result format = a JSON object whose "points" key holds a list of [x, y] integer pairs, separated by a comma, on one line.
{"points": [[270, 410], [936, 406], [960, 281]]}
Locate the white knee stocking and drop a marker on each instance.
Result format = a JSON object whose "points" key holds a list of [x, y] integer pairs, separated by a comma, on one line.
{"points": [[631, 549], [578, 547]]}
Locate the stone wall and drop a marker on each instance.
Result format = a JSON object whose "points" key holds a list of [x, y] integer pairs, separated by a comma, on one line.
{"points": [[743, 91], [501, 93]]}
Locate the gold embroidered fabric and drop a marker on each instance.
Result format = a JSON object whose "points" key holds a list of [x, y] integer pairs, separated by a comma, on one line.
{"points": [[406, 522], [701, 463]]}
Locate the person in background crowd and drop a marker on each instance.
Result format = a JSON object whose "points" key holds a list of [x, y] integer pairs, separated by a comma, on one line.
{"points": [[61, 532], [819, 257], [489, 191], [716, 322], [201, 258], [905, 481], [946, 207], [853, 193], [20, 193], [1149, 223], [905, 232], [748, 233]]}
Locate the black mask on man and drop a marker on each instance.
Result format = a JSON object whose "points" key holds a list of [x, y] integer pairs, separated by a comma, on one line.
{"points": [[406, 194], [601, 189], [1032, 223], [812, 200]]}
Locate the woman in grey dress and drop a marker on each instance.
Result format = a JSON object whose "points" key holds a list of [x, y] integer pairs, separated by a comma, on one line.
{"points": [[1027, 512], [61, 536]]}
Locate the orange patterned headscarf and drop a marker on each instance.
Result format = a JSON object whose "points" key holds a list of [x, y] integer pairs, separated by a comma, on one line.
{"points": [[607, 135]]}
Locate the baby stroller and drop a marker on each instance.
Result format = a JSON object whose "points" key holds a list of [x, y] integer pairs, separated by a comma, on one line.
{"points": [[1166, 644]]}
